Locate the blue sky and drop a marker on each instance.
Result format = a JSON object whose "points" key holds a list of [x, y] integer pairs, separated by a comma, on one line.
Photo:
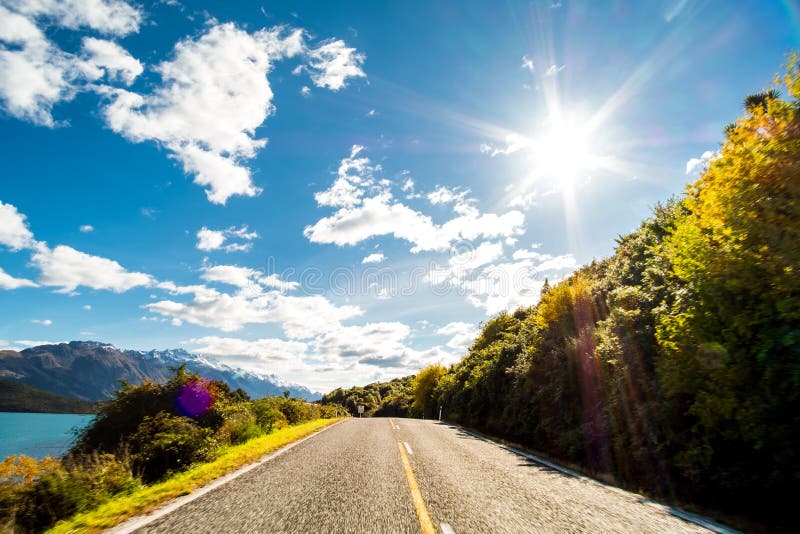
{"points": [[342, 193]]}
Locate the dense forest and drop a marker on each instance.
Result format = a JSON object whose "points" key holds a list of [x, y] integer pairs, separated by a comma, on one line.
{"points": [[17, 397], [672, 367], [145, 434]]}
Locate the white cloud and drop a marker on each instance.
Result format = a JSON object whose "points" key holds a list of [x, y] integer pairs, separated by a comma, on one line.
{"points": [[274, 281], [208, 239], [527, 63], [43, 322], [514, 142], [14, 232], [87, 307], [267, 350], [369, 341], [9, 282], [300, 317], [446, 195], [102, 57], [462, 335], [214, 94], [361, 218], [241, 277], [305, 90], [552, 70], [501, 286], [697, 166], [35, 74], [86, 228], [331, 64], [67, 268], [376, 257], [114, 17], [382, 216], [353, 176]]}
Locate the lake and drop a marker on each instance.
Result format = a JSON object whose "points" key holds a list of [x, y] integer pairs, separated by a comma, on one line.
{"points": [[38, 434]]}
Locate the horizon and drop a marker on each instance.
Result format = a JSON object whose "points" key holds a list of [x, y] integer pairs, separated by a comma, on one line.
{"points": [[308, 192]]}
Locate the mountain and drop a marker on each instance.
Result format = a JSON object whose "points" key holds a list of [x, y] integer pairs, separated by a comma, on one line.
{"points": [[17, 397], [91, 370]]}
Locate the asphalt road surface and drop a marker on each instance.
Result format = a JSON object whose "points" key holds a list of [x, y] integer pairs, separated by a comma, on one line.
{"points": [[403, 475]]}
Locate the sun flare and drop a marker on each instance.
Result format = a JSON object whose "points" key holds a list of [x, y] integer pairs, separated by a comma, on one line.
{"points": [[563, 154]]}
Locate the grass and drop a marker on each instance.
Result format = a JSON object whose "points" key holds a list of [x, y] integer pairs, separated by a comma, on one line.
{"points": [[147, 498]]}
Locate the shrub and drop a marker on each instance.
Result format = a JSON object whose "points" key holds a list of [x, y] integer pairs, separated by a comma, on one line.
{"points": [[166, 443]]}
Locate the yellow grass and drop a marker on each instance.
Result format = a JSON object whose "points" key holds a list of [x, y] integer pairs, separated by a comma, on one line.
{"points": [[147, 498]]}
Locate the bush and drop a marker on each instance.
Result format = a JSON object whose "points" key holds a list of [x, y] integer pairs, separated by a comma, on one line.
{"points": [[240, 425], [35, 495], [166, 443]]}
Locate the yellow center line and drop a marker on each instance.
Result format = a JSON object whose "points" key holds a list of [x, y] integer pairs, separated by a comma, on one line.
{"points": [[419, 503], [394, 426]]}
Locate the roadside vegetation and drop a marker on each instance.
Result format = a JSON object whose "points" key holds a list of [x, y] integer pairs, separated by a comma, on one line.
{"points": [[152, 442], [672, 367]]}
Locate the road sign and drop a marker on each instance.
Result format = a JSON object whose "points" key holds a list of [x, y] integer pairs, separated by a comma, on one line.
{"points": [[360, 409]]}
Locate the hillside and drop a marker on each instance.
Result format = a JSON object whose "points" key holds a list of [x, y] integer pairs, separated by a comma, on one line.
{"points": [[17, 397], [91, 371]]}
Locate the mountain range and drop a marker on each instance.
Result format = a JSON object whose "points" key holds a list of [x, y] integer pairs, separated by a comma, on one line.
{"points": [[91, 370]]}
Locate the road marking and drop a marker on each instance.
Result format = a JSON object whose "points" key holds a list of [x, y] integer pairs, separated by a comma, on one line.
{"points": [[138, 521], [394, 426], [408, 447], [447, 529], [419, 503]]}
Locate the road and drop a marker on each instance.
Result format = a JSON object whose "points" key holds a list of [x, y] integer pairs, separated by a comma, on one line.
{"points": [[401, 475]]}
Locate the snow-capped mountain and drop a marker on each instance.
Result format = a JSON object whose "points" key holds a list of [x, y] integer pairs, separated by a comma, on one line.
{"points": [[92, 370]]}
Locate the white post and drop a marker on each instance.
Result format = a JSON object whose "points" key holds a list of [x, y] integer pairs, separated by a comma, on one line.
{"points": [[440, 412]]}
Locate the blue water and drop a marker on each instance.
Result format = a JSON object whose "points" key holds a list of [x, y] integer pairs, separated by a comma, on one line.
{"points": [[38, 434]]}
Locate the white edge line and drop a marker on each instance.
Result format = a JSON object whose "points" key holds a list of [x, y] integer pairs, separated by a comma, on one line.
{"points": [[408, 447], [677, 512], [139, 521], [447, 529]]}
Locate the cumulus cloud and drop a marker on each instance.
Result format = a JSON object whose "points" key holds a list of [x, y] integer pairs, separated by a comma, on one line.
{"points": [[14, 231], [67, 268], [527, 63], [361, 217], [43, 322], [697, 166], [208, 239], [332, 63], [86, 228], [9, 282], [114, 17], [63, 266], [106, 58], [266, 350], [514, 142], [462, 335], [214, 94], [497, 286], [354, 175], [368, 340], [376, 257], [35, 74], [300, 317]]}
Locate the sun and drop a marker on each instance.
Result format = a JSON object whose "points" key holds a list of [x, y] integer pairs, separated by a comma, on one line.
{"points": [[563, 153]]}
